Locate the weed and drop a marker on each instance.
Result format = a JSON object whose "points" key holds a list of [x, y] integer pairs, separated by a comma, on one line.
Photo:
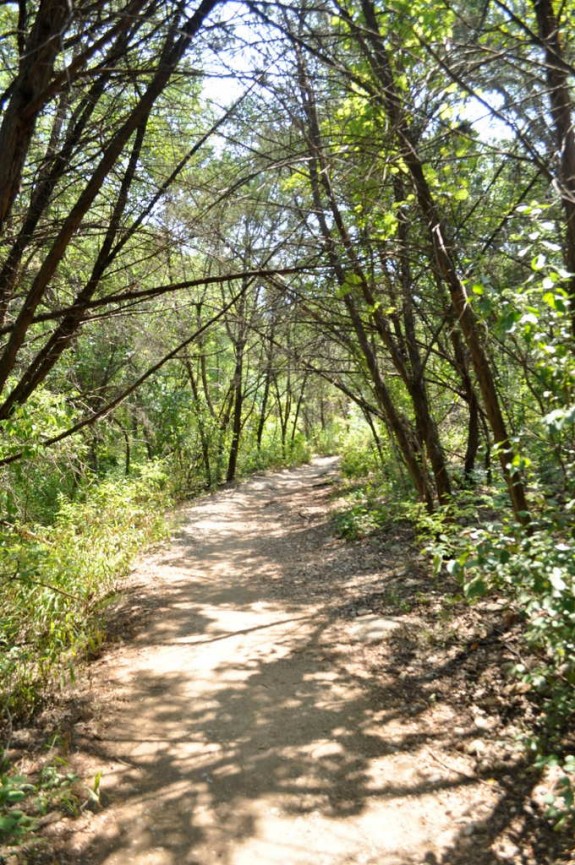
{"points": [[14, 823], [53, 789]]}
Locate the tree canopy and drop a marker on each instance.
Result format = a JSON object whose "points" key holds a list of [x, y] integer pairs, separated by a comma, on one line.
{"points": [[233, 231]]}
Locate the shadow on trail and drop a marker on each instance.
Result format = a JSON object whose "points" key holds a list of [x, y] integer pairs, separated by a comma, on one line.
{"points": [[289, 730]]}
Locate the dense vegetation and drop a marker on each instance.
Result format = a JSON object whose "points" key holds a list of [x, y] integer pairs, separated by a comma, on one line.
{"points": [[237, 233]]}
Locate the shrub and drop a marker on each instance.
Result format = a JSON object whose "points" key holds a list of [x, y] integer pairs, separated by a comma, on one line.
{"points": [[54, 579], [535, 568]]}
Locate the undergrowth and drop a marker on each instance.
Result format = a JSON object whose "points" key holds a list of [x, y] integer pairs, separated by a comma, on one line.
{"points": [[534, 569], [273, 455], [26, 799], [55, 579], [364, 511]]}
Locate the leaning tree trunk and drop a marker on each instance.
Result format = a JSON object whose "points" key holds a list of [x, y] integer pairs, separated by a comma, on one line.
{"points": [[397, 426], [36, 69], [444, 262], [175, 45], [558, 73]]}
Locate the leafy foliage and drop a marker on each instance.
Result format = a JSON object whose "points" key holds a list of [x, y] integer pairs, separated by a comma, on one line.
{"points": [[360, 264], [23, 799], [55, 578], [14, 823], [535, 569]]}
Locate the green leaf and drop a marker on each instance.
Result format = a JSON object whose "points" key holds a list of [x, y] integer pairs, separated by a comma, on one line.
{"points": [[556, 419], [475, 588], [351, 282], [556, 579], [549, 299], [538, 263]]}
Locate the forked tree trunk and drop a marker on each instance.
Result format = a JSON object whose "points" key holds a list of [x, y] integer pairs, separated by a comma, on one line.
{"points": [[238, 402], [444, 263], [204, 438]]}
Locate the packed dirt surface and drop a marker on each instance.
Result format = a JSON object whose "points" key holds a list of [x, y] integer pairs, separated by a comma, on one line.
{"points": [[276, 696]]}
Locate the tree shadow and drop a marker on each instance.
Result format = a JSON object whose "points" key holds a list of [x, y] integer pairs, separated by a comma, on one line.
{"points": [[224, 747]]}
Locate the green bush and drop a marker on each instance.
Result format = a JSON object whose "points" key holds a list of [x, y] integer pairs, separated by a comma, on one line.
{"points": [[14, 823], [54, 579], [329, 440], [24, 798], [363, 513], [273, 455], [535, 568]]}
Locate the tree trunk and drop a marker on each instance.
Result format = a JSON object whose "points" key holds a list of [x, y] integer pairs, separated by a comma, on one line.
{"points": [[64, 333], [267, 384], [238, 401], [36, 69], [204, 439], [56, 161], [176, 43], [558, 74], [415, 381], [298, 408], [397, 426], [446, 267]]}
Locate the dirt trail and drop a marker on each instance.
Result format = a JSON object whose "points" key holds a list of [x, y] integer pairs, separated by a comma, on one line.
{"points": [[242, 725]]}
